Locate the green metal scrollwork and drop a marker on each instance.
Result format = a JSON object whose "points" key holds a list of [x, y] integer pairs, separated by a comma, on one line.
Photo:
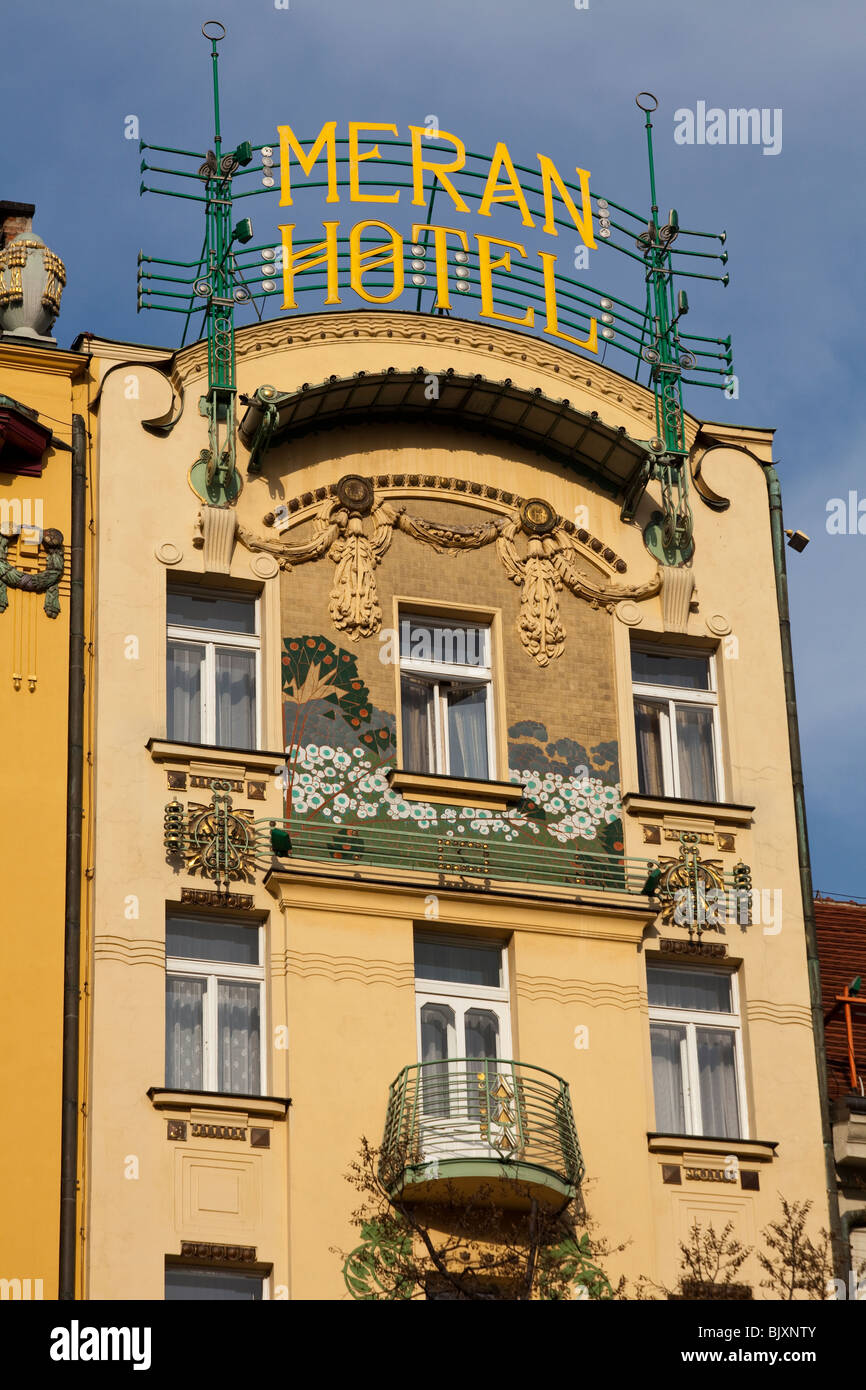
{"points": [[47, 582]]}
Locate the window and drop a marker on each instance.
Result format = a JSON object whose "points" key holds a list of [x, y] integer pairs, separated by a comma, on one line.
{"points": [[213, 1006], [697, 1056], [212, 669], [461, 992], [446, 698], [190, 1283], [676, 717]]}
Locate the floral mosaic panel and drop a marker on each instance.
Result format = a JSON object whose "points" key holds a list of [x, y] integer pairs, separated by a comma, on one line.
{"points": [[340, 748]]}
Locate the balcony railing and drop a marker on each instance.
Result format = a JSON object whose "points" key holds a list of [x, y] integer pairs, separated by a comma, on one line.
{"points": [[471, 1113], [477, 859]]}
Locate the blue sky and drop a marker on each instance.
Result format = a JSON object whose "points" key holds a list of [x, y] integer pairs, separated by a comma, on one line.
{"points": [[547, 77]]}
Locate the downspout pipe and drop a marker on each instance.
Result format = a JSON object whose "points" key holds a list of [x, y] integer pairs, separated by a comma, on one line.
{"points": [[74, 844], [839, 1242]]}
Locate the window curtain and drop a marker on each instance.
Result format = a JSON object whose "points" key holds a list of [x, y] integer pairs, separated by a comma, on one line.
{"points": [[437, 1032], [481, 1028], [467, 731], [184, 677], [238, 1027], [183, 1033], [689, 989], [235, 698], [720, 1111], [668, 1045], [461, 965], [647, 721], [695, 745], [417, 703]]}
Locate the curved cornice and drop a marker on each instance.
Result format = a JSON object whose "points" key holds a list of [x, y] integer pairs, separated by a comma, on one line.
{"points": [[295, 333], [471, 401]]}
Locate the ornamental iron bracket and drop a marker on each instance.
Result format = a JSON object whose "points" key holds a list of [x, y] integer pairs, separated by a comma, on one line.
{"points": [[693, 891]]}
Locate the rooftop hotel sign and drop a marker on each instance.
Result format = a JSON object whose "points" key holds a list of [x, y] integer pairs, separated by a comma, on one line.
{"points": [[430, 174], [449, 227]]}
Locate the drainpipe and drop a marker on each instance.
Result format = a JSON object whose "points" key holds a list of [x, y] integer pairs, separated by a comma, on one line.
{"points": [[74, 834], [840, 1256]]}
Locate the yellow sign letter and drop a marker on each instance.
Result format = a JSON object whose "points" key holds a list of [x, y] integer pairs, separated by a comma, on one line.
{"points": [[355, 194], [323, 253], [440, 245], [360, 262], [485, 269], [289, 143], [509, 192], [583, 219], [420, 165], [548, 261]]}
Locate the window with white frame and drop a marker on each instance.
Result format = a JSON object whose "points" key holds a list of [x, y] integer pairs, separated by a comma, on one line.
{"points": [[697, 1052], [184, 1283], [461, 993], [676, 715], [446, 697], [214, 1006], [212, 668]]}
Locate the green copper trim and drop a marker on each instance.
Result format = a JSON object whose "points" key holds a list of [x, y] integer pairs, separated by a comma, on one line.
{"points": [[488, 1168]]}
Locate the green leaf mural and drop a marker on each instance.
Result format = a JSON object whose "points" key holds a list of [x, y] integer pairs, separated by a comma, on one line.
{"points": [[340, 746], [316, 673]]}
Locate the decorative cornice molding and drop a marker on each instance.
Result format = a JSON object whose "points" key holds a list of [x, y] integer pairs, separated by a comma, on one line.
{"points": [[343, 969], [593, 994], [127, 950], [294, 333], [768, 1011]]}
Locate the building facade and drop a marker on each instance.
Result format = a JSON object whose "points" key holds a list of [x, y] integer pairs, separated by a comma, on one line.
{"points": [[45, 554], [841, 932], [432, 803]]}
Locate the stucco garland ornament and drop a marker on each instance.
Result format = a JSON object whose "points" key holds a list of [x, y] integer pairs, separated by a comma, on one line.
{"points": [[549, 564], [47, 582]]}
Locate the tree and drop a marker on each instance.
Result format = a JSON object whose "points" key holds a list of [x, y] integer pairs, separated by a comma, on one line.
{"points": [[710, 1262], [466, 1246], [793, 1262]]}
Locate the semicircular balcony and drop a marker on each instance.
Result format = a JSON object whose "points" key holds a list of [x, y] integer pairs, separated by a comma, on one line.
{"points": [[487, 1129]]}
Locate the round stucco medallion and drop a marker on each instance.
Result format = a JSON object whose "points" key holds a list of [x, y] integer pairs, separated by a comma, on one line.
{"points": [[264, 566], [537, 517], [168, 553], [628, 613], [355, 493], [718, 625]]}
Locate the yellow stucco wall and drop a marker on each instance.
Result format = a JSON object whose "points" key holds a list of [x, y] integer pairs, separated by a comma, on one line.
{"points": [[33, 717]]}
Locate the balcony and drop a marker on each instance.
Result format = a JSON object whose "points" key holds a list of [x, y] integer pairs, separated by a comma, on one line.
{"points": [[849, 1130], [498, 1132], [470, 861]]}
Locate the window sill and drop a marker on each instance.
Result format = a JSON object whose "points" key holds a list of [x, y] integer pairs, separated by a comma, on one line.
{"points": [[721, 812], [759, 1150], [236, 761], [274, 1107], [460, 791]]}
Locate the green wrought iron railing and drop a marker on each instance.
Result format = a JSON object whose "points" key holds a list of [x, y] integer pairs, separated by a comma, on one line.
{"points": [[228, 845], [471, 856], [471, 1108]]}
